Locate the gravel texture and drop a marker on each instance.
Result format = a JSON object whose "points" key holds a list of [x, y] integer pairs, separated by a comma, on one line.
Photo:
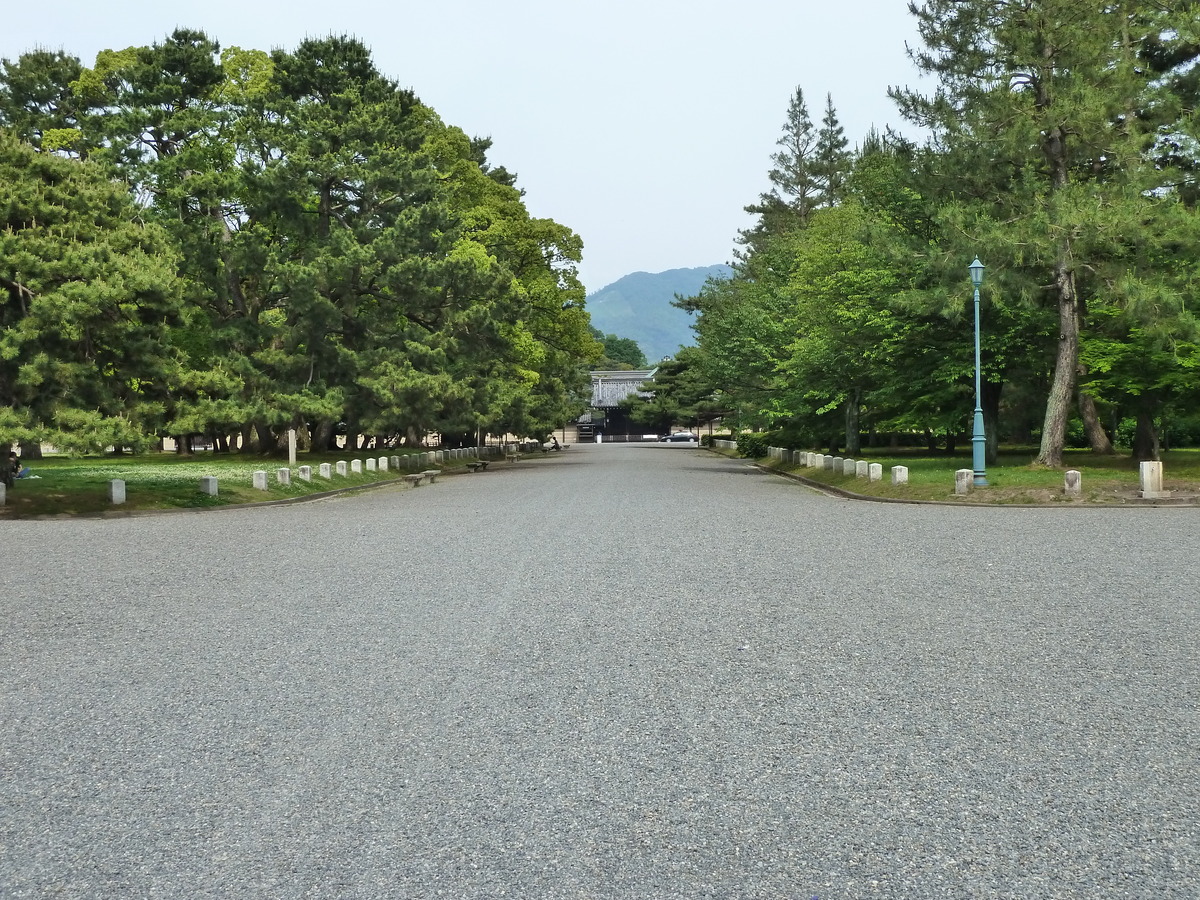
{"points": [[618, 671]]}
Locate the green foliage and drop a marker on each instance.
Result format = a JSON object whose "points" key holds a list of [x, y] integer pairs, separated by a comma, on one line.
{"points": [[346, 259], [619, 352], [1064, 151], [87, 297], [753, 446]]}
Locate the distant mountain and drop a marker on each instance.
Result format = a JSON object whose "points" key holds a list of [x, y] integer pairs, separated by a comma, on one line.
{"points": [[639, 306]]}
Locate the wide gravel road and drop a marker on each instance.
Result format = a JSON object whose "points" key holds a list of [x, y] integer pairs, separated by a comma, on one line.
{"points": [[618, 671]]}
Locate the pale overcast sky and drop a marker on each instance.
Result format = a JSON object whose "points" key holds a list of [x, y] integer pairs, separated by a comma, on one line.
{"points": [[643, 125]]}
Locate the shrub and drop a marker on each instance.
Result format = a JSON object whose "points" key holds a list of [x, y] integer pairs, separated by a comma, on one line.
{"points": [[753, 446]]}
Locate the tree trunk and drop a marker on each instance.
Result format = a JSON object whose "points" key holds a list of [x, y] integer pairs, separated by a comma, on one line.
{"points": [[1062, 387], [266, 438], [1145, 439], [322, 437], [31, 450], [853, 437], [990, 402], [249, 445], [183, 445], [1097, 437]]}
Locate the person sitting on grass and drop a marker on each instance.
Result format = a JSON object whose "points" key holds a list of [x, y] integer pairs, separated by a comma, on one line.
{"points": [[15, 470]]}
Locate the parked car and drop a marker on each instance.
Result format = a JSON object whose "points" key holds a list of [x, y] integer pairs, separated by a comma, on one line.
{"points": [[678, 436]]}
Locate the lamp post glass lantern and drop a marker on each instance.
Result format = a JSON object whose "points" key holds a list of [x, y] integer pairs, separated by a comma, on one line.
{"points": [[978, 440]]}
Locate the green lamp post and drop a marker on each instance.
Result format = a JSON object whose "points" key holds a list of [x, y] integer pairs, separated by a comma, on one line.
{"points": [[978, 440]]}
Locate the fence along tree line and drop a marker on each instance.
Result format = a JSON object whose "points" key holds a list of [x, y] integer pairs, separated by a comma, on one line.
{"points": [[239, 242]]}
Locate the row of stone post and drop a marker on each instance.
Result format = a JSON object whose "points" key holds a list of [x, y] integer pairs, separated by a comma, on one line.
{"points": [[1150, 474], [858, 468]]}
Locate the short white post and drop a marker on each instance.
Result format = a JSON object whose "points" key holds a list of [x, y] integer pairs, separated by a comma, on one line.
{"points": [[305, 473], [1150, 474], [341, 467], [861, 468], [849, 466], [899, 474], [283, 476], [208, 485], [291, 446], [371, 464], [963, 479], [1073, 483], [116, 491], [325, 470], [875, 472], [356, 466], [260, 480]]}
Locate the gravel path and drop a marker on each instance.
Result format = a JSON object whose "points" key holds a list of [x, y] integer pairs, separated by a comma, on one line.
{"points": [[620, 671]]}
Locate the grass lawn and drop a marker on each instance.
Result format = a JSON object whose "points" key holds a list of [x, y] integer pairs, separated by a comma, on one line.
{"points": [[1106, 479], [79, 486]]}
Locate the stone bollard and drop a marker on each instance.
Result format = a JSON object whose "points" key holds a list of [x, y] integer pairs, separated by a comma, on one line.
{"points": [[1150, 476], [325, 470], [356, 466], [208, 485], [260, 480], [371, 464], [283, 476], [849, 466], [341, 467], [899, 474], [1073, 483], [963, 479], [875, 472], [116, 491], [304, 473], [861, 468]]}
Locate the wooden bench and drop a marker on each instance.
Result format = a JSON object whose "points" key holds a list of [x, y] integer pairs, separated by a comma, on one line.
{"points": [[415, 480]]}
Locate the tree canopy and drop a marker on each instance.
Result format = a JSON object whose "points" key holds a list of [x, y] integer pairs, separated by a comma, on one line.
{"points": [[1063, 151], [331, 255]]}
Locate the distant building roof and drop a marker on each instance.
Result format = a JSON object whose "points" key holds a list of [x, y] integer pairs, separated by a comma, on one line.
{"points": [[609, 388]]}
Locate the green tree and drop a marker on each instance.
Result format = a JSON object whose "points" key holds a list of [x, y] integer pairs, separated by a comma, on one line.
{"points": [[831, 160], [795, 191], [619, 352], [87, 295], [1051, 95]]}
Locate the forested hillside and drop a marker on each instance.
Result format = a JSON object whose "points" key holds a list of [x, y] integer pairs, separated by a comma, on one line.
{"points": [[640, 306], [226, 241]]}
